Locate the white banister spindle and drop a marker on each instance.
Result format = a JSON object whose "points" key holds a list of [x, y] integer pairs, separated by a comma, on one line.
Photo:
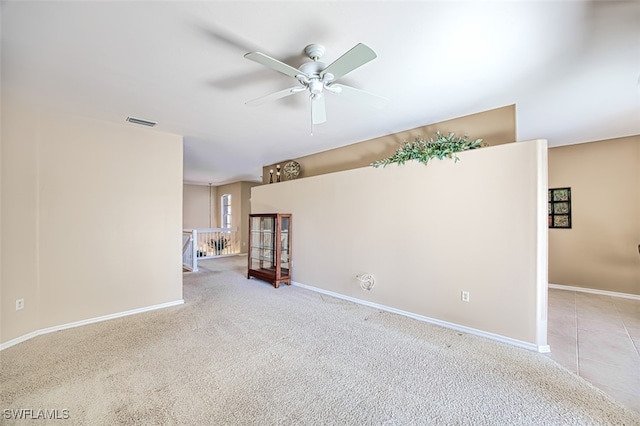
{"points": [[194, 250], [189, 258], [208, 243]]}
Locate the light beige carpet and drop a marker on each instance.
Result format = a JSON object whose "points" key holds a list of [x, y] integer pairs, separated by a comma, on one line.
{"points": [[240, 352]]}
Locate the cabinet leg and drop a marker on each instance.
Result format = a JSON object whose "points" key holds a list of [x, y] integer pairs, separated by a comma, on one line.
{"points": [[276, 284]]}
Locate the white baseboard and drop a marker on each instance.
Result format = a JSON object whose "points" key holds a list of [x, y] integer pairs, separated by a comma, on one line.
{"points": [[468, 330], [595, 291], [36, 333]]}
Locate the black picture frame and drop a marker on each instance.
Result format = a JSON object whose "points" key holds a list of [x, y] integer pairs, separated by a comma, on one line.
{"points": [[559, 208]]}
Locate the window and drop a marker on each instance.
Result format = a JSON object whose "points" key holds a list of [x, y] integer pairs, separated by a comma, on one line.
{"points": [[225, 202]]}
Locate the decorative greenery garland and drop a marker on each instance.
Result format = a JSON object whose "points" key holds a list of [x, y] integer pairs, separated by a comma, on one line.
{"points": [[424, 150]]}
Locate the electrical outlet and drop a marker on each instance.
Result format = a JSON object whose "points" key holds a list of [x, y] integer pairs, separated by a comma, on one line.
{"points": [[465, 296], [19, 304]]}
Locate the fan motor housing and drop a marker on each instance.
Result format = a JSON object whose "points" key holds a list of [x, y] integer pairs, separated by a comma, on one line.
{"points": [[312, 68]]}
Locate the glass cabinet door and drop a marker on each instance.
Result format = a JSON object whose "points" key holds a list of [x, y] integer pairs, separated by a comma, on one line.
{"points": [[284, 246], [270, 247], [262, 239]]}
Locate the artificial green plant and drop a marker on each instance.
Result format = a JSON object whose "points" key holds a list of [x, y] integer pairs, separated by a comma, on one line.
{"points": [[423, 150]]}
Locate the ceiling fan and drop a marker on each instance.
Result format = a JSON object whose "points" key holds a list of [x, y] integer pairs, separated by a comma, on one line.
{"points": [[317, 78]]}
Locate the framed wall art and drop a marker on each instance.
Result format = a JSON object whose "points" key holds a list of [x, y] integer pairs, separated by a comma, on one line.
{"points": [[559, 208]]}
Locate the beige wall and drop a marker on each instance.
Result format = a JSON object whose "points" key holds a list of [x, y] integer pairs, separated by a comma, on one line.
{"points": [[245, 210], [198, 202], [495, 127], [196, 207], [428, 232], [600, 251], [20, 249], [235, 189], [91, 219], [1, 197]]}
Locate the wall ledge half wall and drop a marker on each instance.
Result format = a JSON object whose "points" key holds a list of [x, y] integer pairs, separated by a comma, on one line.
{"points": [[446, 324], [36, 333]]}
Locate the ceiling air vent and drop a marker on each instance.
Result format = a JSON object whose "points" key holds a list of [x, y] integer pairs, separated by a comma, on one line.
{"points": [[141, 121]]}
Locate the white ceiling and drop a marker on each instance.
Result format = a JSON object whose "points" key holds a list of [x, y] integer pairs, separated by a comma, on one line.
{"points": [[572, 69]]}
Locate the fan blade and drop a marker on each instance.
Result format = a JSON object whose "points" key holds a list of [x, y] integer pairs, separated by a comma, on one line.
{"points": [[274, 64], [358, 95], [354, 58], [276, 95], [318, 109]]}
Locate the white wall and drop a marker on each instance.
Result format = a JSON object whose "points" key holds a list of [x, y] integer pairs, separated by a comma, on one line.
{"points": [[428, 232], [91, 219]]}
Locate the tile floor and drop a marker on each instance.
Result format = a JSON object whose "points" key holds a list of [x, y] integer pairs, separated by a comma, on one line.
{"points": [[598, 338]]}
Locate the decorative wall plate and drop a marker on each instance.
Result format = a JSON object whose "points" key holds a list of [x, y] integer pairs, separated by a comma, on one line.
{"points": [[292, 169]]}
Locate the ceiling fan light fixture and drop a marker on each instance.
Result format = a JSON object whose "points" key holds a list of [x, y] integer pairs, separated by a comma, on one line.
{"points": [[315, 76], [315, 86], [302, 79], [333, 89]]}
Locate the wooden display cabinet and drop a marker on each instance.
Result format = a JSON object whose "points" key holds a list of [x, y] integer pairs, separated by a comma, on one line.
{"points": [[269, 255]]}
